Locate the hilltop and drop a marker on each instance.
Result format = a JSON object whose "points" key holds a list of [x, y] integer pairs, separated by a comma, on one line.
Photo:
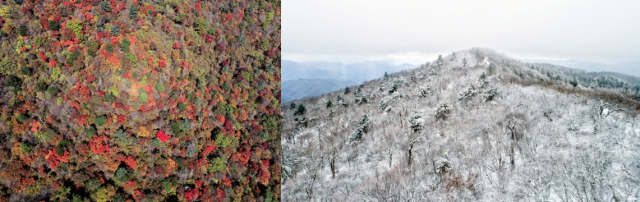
{"points": [[475, 125]]}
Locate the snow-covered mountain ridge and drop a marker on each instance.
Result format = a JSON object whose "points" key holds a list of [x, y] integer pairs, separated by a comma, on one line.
{"points": [[472, 126]]}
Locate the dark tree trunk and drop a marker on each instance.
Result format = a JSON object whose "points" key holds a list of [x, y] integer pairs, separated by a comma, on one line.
{"points": [[410, 154]]}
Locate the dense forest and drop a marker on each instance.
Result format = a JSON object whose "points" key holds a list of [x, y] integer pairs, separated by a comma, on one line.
{"points": [[475, 125], [139, 100]]}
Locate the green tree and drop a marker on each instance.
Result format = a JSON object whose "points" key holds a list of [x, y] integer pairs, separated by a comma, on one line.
{"points": [[13, 81], [100, 120], [109, 98], [200, 24], [41, 86], [105, 6], [52, 90], [22, 30], [25, 148], [133, 12], [53, 25]]}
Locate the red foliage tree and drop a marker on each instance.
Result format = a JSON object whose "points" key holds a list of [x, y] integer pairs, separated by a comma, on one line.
{"points": [[208, 39], [191, 194], [208, 150], [161, 136]]}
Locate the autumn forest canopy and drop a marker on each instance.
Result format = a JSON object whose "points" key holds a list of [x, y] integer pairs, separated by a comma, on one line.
{"points": [[143, 100]]}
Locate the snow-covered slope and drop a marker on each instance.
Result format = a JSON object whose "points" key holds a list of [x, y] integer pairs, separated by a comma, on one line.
{"points": [[477, 126]]}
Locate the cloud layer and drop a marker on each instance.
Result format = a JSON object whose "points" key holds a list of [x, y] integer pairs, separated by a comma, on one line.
{"points": [[364, 30]]}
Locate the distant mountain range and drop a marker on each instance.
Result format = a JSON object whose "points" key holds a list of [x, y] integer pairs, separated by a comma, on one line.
{"points": [[311, 79], [299, 88]]}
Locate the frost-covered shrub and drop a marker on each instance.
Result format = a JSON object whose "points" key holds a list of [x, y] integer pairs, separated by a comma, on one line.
{"points": [[482, 81], [361, 100], [416, 122], [442, 166], [442, 111], [341, 101], [423, 91], [362, 127], [290, 165], [432, 71], [466, 94], [361, 97], [490, 95], [396, 96], [383, 104], [393, 88], [301, 121], [329, 104]]}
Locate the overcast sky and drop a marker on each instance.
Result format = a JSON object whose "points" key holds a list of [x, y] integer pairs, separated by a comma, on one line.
{"points": [[416, 31]]}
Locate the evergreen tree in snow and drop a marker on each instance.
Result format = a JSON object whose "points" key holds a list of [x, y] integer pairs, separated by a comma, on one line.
{"points": [[417, 123], [490, 95], [423, 91], [383, 105], [362, 127], [442, 111], [466, 94], [440, 61], [300, 110]]}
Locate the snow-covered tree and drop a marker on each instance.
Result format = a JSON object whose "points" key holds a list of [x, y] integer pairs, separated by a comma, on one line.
{"points": [[362, 127], [467, 93], [490, 95], [423, 91], [440, 61], [290, 165], [300, 110], [442, 111], [417, 123]]}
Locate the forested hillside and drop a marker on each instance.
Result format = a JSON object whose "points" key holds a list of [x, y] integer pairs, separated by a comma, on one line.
{"points": [[472, 126], [139, 100]]}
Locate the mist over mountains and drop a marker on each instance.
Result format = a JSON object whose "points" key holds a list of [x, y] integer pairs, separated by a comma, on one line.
{"points": [[329, 76], [472, 126], [300, 88], [628, 68]]}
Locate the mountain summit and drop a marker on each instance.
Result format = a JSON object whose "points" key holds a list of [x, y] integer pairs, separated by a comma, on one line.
{"points": [[472, 126]]}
